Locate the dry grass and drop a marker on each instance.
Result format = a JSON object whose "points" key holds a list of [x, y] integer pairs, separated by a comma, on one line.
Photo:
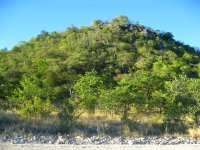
{"points": [[100, 123], [195, 133], [11, 124], [99, 115]]}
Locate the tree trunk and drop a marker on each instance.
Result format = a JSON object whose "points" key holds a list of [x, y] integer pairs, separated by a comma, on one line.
{"points": [[196, 119], [125, 112], [124, 117]]}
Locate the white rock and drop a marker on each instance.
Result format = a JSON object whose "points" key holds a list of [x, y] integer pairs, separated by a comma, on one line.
{"points": [[130, 142]]}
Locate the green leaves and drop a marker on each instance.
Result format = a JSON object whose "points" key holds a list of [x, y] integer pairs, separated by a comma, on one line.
{"points": [[182, 97], [122, 97], [120, 20], [88, 90], [32, 99]]}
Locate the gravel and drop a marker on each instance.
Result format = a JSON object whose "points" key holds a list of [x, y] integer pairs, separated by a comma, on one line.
{"points": [[95, 140], [96, 147]]}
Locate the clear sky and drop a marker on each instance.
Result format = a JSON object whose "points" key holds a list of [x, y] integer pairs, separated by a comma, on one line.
{"points": [[20, 20]]}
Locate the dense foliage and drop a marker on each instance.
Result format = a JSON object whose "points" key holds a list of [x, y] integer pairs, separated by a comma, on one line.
{"points": [[113, 66]]}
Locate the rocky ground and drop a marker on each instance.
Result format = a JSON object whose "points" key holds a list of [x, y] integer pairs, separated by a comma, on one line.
{"points": [[94, 140], [97, 147], [52, 142]]}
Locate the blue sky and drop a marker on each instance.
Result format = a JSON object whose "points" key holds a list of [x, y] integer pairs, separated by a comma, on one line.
{"points": [[20, 20]]}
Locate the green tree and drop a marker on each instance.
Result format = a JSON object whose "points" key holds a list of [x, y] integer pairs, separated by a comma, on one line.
{"points": [[182, 98], [193, 92], [33, 99], [150, 85], [88, 90], [123, 97], [120, 20], [2, 92]]}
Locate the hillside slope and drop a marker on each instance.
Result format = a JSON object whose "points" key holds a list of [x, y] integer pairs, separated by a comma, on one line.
{"points": [[114, 66]]}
